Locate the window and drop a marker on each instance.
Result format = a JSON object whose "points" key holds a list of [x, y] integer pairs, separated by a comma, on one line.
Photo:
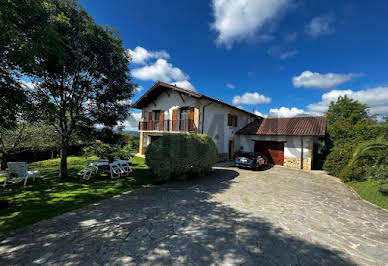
{"points": [[232, 120], [157, 115]]}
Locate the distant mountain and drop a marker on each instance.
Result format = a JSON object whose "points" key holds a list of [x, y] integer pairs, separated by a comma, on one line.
{"points": [[132, 133]]}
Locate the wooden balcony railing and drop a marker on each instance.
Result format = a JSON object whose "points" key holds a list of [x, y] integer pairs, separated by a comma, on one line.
{"points": [[184, 125]]}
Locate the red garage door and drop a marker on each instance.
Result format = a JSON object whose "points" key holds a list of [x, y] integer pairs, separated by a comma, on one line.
{"points": [[273, 150]]}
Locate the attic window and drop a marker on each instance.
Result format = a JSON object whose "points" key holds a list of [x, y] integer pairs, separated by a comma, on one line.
{"points": [[232, 120]]}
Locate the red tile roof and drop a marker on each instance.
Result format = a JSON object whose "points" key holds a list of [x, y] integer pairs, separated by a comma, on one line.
{"points": [[295, 126]]}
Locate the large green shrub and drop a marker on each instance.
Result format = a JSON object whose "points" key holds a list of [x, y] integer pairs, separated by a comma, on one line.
{"points": [[348, 124], [181, 155]]}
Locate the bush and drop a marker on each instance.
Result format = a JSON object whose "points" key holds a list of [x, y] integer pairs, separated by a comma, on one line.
{"points": [[380, 174], [337, 159], [181, 156], [352, 173]]}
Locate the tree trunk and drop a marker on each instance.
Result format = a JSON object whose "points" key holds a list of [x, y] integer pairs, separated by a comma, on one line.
{"points": [[63, 171], [3, 159]]}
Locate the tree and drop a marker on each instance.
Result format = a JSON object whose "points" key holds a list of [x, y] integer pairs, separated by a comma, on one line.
{"points": [[82, 78], [20, 39], [348, 125], [25, 136], [346, 109], [11, 139]]}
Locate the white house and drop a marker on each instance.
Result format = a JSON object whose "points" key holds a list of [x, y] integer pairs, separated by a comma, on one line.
{"points": [[167, 109]]}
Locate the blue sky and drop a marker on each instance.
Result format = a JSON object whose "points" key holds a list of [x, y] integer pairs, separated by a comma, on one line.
{"points": [[281, 58]]}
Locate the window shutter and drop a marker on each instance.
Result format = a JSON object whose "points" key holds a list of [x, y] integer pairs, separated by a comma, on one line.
{"points": [[161, 120], [174, 120], [191, 119], [235, 120], [229, 120]]}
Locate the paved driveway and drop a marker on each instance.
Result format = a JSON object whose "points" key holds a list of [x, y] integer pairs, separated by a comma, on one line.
{"points": [[274, 217]]}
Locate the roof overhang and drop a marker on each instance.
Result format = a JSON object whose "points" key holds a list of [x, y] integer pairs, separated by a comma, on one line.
{"points": [[159, 87]]}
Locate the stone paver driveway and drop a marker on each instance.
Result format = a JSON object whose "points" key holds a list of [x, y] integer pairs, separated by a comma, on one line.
{"points": [[274, 217]]}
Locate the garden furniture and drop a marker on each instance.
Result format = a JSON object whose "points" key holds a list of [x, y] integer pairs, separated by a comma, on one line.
{"points": [[19, 171], [124, 167], [88, 172], [115, 170]]}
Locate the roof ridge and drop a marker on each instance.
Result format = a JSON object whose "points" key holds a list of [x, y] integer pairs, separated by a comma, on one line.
{"points": [[310, 116], [189, 92]]}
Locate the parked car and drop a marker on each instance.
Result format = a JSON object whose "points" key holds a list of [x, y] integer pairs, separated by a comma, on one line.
{"points": [[252, 160]]}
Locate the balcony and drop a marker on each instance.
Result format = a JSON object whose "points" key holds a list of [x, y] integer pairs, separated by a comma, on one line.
{"points": [[183, 125]]}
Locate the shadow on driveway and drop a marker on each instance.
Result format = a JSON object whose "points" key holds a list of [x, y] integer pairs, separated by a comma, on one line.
{"points": [[162, 225]]}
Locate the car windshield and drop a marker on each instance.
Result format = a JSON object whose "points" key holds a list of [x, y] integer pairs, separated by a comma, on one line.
{"points": [[249, 154]]}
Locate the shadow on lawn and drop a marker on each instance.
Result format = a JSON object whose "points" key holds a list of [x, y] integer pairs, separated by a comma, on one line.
{"points": [[160, 225], [49, 197]]}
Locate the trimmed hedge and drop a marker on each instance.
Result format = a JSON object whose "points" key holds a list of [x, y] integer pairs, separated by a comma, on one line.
{"points": [[178, 156]]}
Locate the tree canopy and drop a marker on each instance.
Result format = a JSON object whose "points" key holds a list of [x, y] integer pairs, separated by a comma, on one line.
{"points": [[346, 109], [20, 39], [348, 125], [79, 69]]}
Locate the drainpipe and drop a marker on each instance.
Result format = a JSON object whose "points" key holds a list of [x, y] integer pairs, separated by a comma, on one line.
{"points": [[203, 115], [301, 156]]}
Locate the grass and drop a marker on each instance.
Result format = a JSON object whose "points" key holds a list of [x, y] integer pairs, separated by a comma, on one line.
{"points": [[48, 196], [369, 190]]}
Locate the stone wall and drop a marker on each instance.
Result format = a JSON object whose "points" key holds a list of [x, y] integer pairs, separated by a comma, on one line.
{"points": [[296, 163]]}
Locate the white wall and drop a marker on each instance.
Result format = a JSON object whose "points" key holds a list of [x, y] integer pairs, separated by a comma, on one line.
{"points": [[292, 144], [216, 117], [216, 124], [168, 103]]}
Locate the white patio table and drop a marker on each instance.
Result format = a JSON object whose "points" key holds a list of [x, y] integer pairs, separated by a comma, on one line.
{"points": [[104, 165]]}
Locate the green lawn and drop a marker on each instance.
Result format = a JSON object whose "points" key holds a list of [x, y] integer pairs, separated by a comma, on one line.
{"points": [[369, 190], [48, 196]]}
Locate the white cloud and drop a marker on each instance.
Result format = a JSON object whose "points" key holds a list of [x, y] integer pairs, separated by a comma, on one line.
{"points": [[282, 54], [28, 84], [237, 20], [286, 112], [375, 98], [288, 54], [140, 55], [319, 26], [230, 86], [138, 88], [260, 114], [132, 122], [251, 99], [184, 84], [160, 70], [309, 79]]}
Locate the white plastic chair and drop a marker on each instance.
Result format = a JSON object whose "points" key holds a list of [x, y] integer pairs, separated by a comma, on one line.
{"points": [[19, 170], [88, 172], [125, 168], [115, 170]]}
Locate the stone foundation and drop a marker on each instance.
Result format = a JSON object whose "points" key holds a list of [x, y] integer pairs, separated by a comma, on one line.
{"points": [[296, 162]]}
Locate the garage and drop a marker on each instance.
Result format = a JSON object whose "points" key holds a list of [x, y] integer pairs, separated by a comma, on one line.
{"points": [[291, 142], [273, 150]]}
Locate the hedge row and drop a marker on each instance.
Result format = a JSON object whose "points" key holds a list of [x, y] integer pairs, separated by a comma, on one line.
{"points": [[181, 156]]}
